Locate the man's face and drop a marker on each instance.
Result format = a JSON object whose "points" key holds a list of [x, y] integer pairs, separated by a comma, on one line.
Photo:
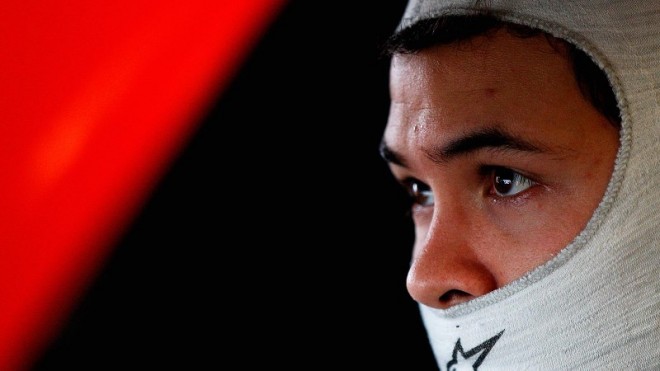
{"points": [[505, 158]]}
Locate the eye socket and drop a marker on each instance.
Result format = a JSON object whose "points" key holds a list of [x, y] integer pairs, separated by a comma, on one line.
{"points": [[504, 183], [508, 183], [419, 192]]}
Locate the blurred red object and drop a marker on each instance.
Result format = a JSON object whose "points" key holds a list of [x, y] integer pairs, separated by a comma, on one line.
{"points": [[98, 97]]}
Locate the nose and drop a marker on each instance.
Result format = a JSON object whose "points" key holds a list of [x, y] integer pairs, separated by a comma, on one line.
{"points": [[446, 269]]}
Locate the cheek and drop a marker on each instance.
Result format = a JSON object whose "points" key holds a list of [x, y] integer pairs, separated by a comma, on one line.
{"points": [[538, 227]]}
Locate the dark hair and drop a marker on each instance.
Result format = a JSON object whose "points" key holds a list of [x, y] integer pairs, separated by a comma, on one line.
{"points": [[592, 81]]}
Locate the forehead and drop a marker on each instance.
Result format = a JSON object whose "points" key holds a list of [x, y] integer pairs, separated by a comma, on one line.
{"points": [[492, 61], [494, 79]]}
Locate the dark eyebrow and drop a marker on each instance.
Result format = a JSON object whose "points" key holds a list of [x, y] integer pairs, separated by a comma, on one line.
{"points": [[472, 142], [390, 155], [486, 138]]}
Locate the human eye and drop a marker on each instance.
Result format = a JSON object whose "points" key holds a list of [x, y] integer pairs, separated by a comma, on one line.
{"points": [[505, 182], [419, 192]]}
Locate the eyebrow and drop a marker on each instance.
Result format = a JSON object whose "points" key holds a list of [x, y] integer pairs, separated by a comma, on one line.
{"points": [[389, 155], [469, 143]]}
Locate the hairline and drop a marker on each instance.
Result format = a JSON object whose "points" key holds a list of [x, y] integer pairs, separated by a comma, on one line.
{"points": [[420, 35]]}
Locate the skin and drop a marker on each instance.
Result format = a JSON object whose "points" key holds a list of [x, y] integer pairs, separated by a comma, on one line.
{"points": [[462, 117]]}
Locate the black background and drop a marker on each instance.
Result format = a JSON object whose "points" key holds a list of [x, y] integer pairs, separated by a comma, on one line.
{"points": [[277, 239]]}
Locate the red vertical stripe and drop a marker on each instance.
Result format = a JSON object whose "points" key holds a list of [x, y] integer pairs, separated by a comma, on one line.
{"points": [[97, 99]]}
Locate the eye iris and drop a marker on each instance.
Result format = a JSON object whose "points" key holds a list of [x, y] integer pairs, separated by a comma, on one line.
{"points": [[421, 194], [503, 180]]}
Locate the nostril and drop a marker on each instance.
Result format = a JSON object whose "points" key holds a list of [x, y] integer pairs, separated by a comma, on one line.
{"points": [[453, 297]]}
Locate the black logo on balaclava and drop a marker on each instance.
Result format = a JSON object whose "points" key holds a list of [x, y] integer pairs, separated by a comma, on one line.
{"points": [[462, 360]]}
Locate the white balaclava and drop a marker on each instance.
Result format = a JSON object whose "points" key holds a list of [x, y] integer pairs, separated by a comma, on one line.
{"points": [[595, 305]]}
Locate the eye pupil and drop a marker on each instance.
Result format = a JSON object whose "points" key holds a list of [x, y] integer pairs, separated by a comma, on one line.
{"points": [[503, 180]]}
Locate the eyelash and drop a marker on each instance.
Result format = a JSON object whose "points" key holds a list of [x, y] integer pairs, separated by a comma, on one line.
{"points": [[505, 179], [511, 180]]}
